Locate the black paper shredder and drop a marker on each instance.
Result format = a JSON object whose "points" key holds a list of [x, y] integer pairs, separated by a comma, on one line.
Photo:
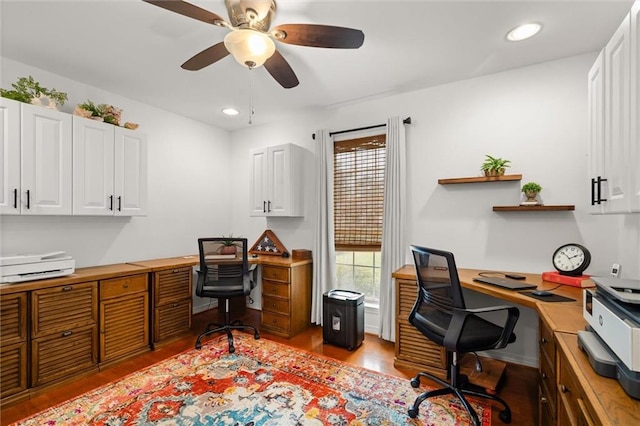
{"points": [[343, 318]]}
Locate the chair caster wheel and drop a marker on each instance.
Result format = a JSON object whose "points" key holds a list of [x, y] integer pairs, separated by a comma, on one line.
{"points": [[231, 349], [413, 412], [415, 383], [505, 416], [256, 336], [198, 345]]}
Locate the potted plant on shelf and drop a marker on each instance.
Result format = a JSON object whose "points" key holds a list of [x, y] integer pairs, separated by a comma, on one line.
{"points": [[531, 190], [494, 166]]}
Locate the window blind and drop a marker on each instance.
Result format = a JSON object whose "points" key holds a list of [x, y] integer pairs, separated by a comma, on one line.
{"points": [[358, 193]]}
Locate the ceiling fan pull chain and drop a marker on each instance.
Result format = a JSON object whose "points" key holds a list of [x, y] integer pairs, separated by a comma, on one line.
{"points": [[251, 97]]}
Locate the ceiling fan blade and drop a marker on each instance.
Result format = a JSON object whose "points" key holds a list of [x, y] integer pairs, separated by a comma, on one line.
{"points": [[187, 9], [206, 57], [281, 71], [319, 36]]}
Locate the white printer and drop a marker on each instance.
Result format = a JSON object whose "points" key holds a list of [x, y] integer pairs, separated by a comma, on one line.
{"points": [[612, 339], [27, 267]]}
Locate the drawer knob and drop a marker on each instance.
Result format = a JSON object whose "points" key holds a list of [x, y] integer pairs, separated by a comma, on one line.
{"points": [[175, 305], [543, 341], [67, 288], [564, 389], [544, 400], [67, 333], [175, 271], [274, 321], [126, 286], [544, 376]]}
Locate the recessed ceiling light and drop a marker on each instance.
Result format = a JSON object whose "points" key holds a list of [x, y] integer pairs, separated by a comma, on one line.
{"points": [[230, 111], [523, 32]]}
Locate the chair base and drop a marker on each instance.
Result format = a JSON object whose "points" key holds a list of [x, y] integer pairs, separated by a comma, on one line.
{"points": [[458, 391], [227, 329]]}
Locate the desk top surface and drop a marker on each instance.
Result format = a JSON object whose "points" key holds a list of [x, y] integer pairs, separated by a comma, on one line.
{"points": [[466, 276]]}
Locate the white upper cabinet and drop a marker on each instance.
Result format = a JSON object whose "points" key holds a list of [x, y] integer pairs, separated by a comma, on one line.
{"points": [[277, 181], [634, 139], [93, 168], [46, 156], [131, 178], [10, 156], [109, 169], [613, 122]]}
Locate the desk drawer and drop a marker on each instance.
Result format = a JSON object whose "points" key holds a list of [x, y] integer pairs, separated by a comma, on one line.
{"points": [[63, 308], [270, 288], [275, 273], [548, 384], [547, 343], [277, 321], [121, 286], [272, 304]]}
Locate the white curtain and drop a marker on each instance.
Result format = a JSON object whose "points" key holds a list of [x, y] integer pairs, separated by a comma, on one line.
{"points": [[324, 252], [393, 239]]}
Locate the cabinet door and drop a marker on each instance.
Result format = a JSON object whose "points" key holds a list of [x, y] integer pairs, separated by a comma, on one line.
{"points": [[92, 167], [596, 130], [258, 184], [124, 326], [130, 173], [46, 159], [279, 180], [617, 125], [635, 108], [9, 156]]}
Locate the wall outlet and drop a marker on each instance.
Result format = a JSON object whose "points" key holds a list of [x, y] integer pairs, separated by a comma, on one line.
{"points": [[615, 270]]}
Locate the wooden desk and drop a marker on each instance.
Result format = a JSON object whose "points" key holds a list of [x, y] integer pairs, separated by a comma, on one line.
{"points": [[595, 399]]}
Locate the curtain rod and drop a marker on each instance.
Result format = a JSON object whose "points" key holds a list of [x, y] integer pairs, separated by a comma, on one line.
{"points": [[405, 121]]}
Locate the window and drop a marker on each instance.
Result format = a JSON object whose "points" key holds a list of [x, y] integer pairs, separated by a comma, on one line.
{"points": [[358, 197]]}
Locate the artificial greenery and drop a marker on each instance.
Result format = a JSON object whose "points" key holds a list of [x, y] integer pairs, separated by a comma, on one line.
{"points": [[531, 187], [26, 89], [108, 113], [229, 240], [494, 165]]}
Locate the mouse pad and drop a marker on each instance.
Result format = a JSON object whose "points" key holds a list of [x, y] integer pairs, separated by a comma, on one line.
{"points": [[552, 298]]}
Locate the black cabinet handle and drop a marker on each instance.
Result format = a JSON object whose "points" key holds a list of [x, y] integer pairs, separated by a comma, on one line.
{"points": [[269, 204], [119, 203], [28, 199], [600, 199], [15, 198], [110, 202], [593, 191], [264, 207]]}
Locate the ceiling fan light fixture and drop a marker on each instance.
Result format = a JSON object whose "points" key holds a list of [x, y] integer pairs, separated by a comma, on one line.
{"points": [[524, 32], [249, 47]]}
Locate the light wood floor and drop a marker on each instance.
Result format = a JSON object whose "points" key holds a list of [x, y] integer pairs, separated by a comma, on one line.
{"points": [[519, 387]]}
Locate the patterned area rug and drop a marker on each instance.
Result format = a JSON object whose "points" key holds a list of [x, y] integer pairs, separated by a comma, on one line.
{"points": [[263, 383]]}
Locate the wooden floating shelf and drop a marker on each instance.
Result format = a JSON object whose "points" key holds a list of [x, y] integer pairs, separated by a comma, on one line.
{"points": [[480, 179], [541, 208]]}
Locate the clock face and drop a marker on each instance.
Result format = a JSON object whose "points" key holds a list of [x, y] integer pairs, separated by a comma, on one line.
{"points": [[571, 259]]}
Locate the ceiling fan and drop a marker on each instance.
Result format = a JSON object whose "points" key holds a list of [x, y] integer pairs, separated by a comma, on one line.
{"points": [[250, 40]]}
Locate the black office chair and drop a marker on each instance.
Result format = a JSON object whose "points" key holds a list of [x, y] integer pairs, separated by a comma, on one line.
{"points": [[441, 315], [224, 276]]}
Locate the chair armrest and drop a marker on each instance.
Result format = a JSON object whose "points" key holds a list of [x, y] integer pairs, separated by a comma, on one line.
{"points": [[460, 317]]}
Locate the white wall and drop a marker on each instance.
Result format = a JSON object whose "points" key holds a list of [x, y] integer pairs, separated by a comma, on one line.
{"points": [[189, 194]]}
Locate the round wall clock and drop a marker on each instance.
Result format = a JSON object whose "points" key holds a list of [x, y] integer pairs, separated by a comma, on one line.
{"points": [[571, 259]]}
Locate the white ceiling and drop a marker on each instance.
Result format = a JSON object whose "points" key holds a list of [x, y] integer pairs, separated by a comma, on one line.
{"points": [[135, 49]]}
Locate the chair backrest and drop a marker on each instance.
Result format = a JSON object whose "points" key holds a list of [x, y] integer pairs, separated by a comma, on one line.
{"points": [[222, 274], [439, 291]]}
